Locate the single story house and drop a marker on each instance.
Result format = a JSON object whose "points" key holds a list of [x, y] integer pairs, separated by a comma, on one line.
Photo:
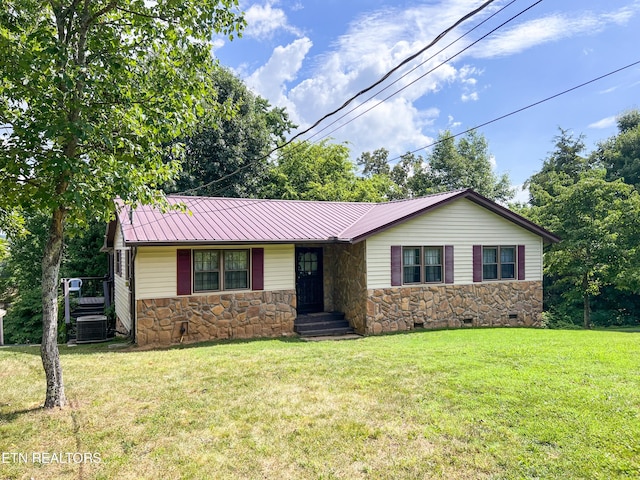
{"points": [[245, 268]]}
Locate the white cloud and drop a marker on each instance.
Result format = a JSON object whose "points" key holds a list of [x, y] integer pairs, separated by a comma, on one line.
{"points": [[270, 79], [264, 20], [372, 45], [469, 97], [376, 42], [550, 28], [607, 122]]}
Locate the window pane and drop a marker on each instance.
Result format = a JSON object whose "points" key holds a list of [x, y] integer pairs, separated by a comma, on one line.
{"points": [[433, 273], [508, 270], [411, 256], [204, 281], [507, 255], [490, 255], [490, 272], [235, 260], [234, 280], [432, 256], [412, 274], [206, 260]]}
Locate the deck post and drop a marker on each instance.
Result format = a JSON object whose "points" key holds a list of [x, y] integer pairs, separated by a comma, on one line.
{"points": [[106, 293], [2, 313], [67, 306]]}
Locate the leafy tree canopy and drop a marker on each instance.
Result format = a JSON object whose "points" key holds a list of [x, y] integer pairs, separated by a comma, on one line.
{"points": [[93, 94], [620, 154], [321, 171], [227, 154], [597, 221], [450, 166]]}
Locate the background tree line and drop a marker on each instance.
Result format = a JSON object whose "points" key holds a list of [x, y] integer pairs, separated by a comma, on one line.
{"points": [[589, 199]]}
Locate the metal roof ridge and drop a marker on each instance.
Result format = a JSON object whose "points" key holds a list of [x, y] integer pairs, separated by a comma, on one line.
{"points": [[279, 200], [373, 205]]}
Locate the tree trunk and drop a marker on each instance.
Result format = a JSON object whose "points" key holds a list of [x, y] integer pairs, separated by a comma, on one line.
{"points": [[586, 302], [49, 348]]}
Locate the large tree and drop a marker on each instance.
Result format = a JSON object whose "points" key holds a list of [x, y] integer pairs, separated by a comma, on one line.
{"points": [[321, 171], [563, 167], [466, 164], [597, 221], [91, 93], [227, 155]]}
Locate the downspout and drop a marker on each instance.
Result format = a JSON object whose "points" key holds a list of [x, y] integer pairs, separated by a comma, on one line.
{"points": [[132, 289]]}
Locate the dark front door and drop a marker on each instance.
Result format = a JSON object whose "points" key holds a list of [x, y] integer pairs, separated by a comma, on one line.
{"points": [[309, 280]]}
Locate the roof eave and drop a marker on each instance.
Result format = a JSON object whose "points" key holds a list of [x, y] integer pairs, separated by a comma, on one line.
{"points": [[199, 243]]}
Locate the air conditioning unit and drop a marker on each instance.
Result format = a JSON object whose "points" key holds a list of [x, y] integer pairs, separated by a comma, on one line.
{"points": [[91, 328]]}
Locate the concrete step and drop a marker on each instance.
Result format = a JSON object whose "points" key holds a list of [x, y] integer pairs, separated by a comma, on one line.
{"points": [[322, 324]]}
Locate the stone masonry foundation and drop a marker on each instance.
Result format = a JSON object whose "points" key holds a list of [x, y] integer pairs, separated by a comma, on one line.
{"points": [[453, 306], [198, 318]]}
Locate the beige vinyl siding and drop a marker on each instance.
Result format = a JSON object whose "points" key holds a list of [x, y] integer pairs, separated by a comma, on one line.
{"points": [[156, 269], [461, 224], [120, 282]]}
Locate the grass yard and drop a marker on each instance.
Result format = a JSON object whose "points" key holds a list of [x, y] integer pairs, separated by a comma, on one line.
{"points": [[465, 404]]}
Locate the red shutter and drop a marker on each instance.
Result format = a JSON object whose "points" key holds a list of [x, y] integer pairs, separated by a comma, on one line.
{"points": [[396, 265], [477, 263], [448, 264], [184, 272], [257, 269], [521, 269]]}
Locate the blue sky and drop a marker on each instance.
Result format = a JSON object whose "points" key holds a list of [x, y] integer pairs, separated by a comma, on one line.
{"points": [[310, 56]]}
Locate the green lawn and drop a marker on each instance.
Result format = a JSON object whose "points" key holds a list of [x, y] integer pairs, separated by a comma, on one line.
{"points": [[465, 404]]}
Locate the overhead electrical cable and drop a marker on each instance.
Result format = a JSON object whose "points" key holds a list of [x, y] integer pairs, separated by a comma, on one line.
{"points": [[387, 75], [502, 117], [421, 76], [415, 68]]}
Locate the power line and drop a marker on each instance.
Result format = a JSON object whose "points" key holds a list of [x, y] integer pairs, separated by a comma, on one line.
{"points": [[426, 73], [502, 117], [400, 65], [414, 69], [395, 69]]}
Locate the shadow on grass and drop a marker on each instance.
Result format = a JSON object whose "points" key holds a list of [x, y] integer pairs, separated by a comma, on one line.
{"points": [[11, 416], [120, 347]]}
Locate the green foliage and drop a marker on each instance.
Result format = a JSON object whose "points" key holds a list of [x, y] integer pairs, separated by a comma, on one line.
{"points": [[93, 93], [231, 150], [23, 322], [597, 221], [620, 154], [562, 167], [321, 171], [450, 166], [22, 270], [93, 96]]}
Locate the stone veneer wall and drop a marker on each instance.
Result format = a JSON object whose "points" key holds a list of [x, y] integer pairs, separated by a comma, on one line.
{"points": [[350, 284], [216, 316], [452, 306]]}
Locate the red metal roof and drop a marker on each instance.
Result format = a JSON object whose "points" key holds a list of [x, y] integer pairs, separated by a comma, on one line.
{"points": [[237, 220]]}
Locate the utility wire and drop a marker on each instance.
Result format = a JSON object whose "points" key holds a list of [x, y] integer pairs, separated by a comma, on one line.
{"points": [[404, 62], [423, 75], [396, 68], [415, 68], [502, 117]]}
